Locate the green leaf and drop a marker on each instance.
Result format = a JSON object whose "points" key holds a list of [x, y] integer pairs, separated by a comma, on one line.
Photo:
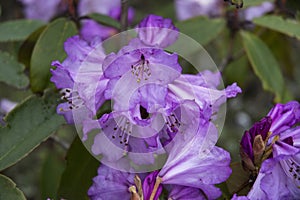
{"points": [[201, 29], [51, 172], [277, 23], [12, 72], [26, 49], [264, 65], [77, 177], [8, 189], [48, 48], [104, 20], [18, 30], [30, 123]]}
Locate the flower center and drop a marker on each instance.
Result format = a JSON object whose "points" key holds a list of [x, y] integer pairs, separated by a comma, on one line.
{"points": [[122, 132], [292, 169], [144, 113], [172, 123], [141, 69], [72, 98]]}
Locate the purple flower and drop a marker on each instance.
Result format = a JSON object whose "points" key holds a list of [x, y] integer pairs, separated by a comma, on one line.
{"points": [[156, 31], [186, 9], [194, 161], [43, 10], [256, 11], [70, 76], [272, 147], [152, 103], [112, 184], [91, 29], [100, 6], [37, 9]]}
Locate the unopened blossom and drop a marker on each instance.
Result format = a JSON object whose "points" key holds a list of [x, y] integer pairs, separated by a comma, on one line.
{"points": [[186, 9], [271, 151]]}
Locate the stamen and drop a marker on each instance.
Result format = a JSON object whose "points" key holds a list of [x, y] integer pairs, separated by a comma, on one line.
{"points": [[72, 98], [292, 169], [122, 131], [141, 69], [172, 123]]}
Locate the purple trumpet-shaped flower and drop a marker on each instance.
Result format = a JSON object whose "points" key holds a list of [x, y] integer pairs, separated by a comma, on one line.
{"points": [[113, 184], [156, 31], [43, 10], [194, 162], [186, 9], [271, 151], [83, 58]]}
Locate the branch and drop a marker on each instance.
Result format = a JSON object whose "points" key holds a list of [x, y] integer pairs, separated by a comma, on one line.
{"points": [[124, 15]]}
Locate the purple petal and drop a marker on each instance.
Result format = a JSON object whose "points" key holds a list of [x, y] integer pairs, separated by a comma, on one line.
{"points": [[90, 30], [100, 6], [64, 109], [154, 59], [148, 186], [235, 197], [232, 90], [191, 8], [111, 184], [277, 185], [61, 77], [157, 32], [43, 10], [257, 11], [284, 116], [181, 193]]}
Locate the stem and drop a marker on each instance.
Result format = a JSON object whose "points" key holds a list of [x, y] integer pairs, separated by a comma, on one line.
{"points": [[157, 183], [124, 15], [245, 184]]}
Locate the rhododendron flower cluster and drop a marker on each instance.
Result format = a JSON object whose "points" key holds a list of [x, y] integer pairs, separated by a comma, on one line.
{"points": [[156, 110]]}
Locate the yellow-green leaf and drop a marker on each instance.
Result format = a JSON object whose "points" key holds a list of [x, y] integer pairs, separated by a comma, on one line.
{"points": [[264, 65], [277, 23]]}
